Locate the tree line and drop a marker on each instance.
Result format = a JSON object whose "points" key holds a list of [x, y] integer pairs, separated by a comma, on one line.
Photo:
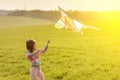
{"points": [[55, 15]]}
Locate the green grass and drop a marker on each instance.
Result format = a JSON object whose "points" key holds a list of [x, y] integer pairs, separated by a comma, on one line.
{"points": [[16, 21], [93, 56]]}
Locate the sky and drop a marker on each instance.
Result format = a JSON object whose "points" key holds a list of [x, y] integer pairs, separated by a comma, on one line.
{"points": [[83, 5]]}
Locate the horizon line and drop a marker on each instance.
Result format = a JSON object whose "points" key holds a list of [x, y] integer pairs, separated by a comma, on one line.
{"points": [[58, 10]]}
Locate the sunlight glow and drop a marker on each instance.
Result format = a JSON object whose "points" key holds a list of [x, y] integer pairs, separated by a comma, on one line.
{"points": [[94, 5]]}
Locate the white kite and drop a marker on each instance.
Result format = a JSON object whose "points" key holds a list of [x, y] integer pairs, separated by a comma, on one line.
{"points": [[69, 23]]}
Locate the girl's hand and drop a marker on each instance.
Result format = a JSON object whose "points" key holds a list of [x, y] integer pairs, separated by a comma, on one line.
{"points": [[48, 42]]}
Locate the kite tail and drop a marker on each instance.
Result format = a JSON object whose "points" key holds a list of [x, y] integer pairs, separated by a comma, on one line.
{"points": [[92, 27], [95, 28]]}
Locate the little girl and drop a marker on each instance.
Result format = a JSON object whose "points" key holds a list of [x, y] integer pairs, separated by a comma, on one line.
{"points": [[33, 54]]}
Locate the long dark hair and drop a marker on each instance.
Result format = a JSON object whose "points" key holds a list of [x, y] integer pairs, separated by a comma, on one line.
{"points": [[30, 44]]}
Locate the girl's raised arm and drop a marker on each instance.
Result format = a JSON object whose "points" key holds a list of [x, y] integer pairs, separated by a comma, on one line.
{"points": [[46, 47]]}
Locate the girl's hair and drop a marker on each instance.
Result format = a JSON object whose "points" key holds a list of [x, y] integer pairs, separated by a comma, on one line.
{"points": [[30, 44]]}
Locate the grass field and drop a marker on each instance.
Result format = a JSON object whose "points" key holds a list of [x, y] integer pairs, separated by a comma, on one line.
{"points": [[9, 21], [93, 56]]}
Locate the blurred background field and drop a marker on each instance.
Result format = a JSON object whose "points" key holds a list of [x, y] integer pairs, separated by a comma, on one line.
{"points": [[93, 56]]}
